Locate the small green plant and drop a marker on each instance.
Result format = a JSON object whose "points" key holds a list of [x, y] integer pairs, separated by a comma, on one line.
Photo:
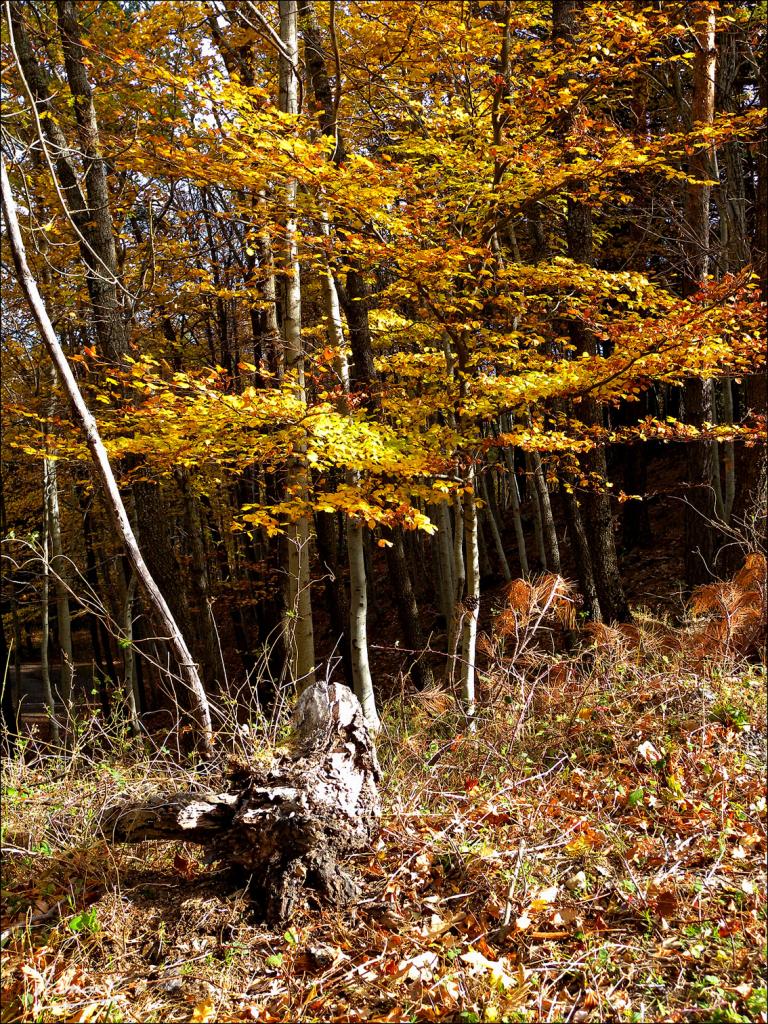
{"points": [[757, 1003], [731, 715], [85, 921]]}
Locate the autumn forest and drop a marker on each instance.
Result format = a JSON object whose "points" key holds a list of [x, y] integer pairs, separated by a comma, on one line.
{"points": [[383, 510]]}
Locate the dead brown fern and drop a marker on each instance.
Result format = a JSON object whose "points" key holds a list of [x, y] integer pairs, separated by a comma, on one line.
{"points": [[734, 613], [543, 602]]}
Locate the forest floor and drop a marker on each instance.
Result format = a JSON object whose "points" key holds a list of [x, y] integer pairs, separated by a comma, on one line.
{"points": [[594, 851]]}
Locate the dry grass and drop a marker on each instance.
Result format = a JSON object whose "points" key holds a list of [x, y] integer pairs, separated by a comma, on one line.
{"points": [[593, 851]]}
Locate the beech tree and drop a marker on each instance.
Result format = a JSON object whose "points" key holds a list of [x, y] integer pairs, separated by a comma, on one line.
{"points": [[380, 306]]}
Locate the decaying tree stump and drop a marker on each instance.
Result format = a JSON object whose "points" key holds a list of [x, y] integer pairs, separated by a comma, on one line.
{"points": [[290, 826]]}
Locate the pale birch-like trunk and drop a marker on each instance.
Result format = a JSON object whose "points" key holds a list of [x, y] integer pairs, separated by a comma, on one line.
{"points": [[358, 585], [299, 629], [470, 607], [90, 215], [358, 612], [459, 577]]}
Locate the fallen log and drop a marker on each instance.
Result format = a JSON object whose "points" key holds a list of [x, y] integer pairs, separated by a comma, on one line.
{"points": [[289, 825]]}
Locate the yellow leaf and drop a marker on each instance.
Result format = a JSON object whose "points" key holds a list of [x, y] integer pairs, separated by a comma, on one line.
{"points": [[87, 1013], [203, 1013], [544, 897]]}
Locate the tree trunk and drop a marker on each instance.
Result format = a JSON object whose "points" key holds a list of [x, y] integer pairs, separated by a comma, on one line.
{"points": [[494, 526], [470, 607], [538, 528], [59, 571], [445, 558], [289, 827], [459, 578], [200, 709], [582, 555], [335, 590], [11, 684], [45, 670], [130, 681], [547, 519], [752, 473], [700, 512], [408, 611], [207, 647], [8, 707], [517, 519], [358, 629], [110, 324], [90, 214], [597, 501], [100, 638], [299, 628], [729, 453]]}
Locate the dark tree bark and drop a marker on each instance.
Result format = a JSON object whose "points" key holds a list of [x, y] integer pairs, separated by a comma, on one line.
{"points": [[752, 474], [581, 550], [408, 610], [8, 705], [598, 517], [92, 217], [90, 212], [331, 562], [289, 827]]}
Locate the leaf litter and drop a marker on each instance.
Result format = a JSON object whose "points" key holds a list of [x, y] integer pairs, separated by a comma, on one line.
{"points": [[607, 865]]}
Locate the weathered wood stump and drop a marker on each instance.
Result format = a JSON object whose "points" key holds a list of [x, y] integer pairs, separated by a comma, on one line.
{"points": [[289, 826]]}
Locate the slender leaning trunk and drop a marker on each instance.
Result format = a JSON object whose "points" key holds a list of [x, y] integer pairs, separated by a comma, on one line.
{"points": [[83, 415], [459, 579], [358, 599]]}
